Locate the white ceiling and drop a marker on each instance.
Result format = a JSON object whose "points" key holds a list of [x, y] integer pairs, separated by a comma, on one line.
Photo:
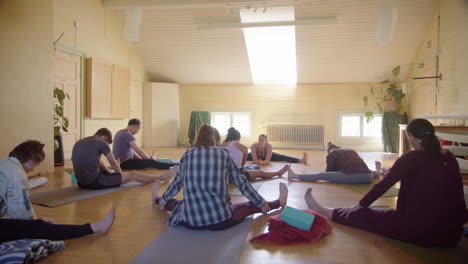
{"points": [[173, 49]]}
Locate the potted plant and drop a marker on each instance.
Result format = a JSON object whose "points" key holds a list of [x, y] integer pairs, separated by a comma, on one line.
{"points": [[388, 98], [60, 123]]}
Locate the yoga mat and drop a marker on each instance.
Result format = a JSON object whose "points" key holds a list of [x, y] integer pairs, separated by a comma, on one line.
{"points": [[365, 188], [234, 191], [72, 194], [181, 245]]}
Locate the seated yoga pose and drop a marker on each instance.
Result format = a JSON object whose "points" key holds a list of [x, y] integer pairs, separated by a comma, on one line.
{"points": [[239, 155], [343, 166], [431, 209], [91, 172], [17, 217], [204, 174], [261, 153]]}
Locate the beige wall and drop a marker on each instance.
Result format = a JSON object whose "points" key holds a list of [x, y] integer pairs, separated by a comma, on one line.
{"points": [[100, 34], [311, 103], [26, 105], [453, 88]]}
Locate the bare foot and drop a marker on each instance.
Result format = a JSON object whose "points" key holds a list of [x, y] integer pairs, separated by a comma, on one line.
{"points": [[378, 166], [171, 173], [291, 175], [283, 197], [155, 190], [104, 225], [283, 170], [304, 158], [314, 205]]}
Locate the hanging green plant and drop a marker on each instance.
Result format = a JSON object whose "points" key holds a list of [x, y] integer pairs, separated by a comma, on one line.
{"points": [[389, 96], [60, 120]]}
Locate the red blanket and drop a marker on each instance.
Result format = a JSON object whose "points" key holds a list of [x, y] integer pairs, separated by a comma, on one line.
{"points": [[280, 233]]}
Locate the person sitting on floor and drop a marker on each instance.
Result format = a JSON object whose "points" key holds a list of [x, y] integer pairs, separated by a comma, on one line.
{"points": [[431, 209], [131, 156], [205, 172], [17, 217], [239, 155], [262, 153], [343, 166], [90, 171]]}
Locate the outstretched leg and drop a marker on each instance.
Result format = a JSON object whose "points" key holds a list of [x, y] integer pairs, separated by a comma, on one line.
{"points": [[146, 178], [314, 205], [104, 225], [242, 210], [267, 175], [304, 158]]}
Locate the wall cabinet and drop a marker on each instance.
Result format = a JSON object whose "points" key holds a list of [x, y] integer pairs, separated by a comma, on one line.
{"points": [[107, 90]]}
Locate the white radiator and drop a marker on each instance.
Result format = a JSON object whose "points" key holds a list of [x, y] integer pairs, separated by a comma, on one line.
{"points": [[296, 136]]}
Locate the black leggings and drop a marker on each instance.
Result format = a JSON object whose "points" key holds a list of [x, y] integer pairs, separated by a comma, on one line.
{"points": [[139, 164], [278, 157], [13, 229]]}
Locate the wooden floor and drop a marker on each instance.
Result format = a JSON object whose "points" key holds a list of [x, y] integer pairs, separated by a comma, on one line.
{"points": [[138, 222]]}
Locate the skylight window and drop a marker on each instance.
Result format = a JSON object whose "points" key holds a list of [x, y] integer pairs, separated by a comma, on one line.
{"points": [[271, 50]]}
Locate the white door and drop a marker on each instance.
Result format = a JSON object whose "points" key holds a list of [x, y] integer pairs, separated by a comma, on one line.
{"points": [[67, 71]]}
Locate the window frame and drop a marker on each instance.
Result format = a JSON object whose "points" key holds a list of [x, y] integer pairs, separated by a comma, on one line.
{"points": [[362, 120], [231, 113]]}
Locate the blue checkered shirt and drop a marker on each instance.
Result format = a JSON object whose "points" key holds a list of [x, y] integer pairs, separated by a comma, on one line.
{"points": [[205, 175]]}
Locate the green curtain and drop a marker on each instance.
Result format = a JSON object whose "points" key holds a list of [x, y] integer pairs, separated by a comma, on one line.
{"points": [[197, 119], [391, 130]]}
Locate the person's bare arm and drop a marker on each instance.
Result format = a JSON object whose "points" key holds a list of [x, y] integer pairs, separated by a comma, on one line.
{"points": [[269, 153], [245, 152], [253, 153], [114, 164], [138, 150], [136, 156]]}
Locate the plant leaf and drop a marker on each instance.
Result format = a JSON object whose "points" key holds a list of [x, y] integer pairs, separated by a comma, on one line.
{"points": [[372, 91], [366, 100], [369, 116], [396, 71]]}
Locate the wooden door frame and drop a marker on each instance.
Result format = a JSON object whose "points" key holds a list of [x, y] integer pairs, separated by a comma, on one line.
{"points": [[80, 54]]}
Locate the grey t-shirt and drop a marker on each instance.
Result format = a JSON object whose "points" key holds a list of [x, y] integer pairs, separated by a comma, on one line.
{"points": [[122, 149], [85, 157]]}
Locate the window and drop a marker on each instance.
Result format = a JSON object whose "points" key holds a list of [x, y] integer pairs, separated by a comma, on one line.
{"points": [[355, 125], [271, 50], [241, 121]]}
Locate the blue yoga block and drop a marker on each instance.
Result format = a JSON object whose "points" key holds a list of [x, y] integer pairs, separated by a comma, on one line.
{"points": [[73, 178], [164, 160], [297, 218]]}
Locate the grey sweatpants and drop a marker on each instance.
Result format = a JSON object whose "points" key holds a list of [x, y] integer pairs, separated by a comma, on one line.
{"points": [[339, 177]]}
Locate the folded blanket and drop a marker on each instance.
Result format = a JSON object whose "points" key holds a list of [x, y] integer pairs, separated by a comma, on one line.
{"points": [[27, 250], [280, 233]]}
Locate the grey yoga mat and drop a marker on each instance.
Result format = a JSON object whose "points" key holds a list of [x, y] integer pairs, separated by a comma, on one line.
{"points": [[233, 190], [72, 194], [181, 245]]}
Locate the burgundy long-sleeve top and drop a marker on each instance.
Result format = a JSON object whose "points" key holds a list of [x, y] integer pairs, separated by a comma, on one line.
{"points": [[431, 192]]}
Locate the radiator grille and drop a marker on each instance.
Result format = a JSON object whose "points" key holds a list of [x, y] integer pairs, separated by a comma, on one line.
{"points": [[295, 134]]}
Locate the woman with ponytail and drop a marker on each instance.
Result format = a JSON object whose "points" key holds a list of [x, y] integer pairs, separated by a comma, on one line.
{"points": [[431, 209]]}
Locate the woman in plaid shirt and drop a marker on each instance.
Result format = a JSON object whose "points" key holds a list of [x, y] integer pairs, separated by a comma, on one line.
{"points": [[205, 172]]}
